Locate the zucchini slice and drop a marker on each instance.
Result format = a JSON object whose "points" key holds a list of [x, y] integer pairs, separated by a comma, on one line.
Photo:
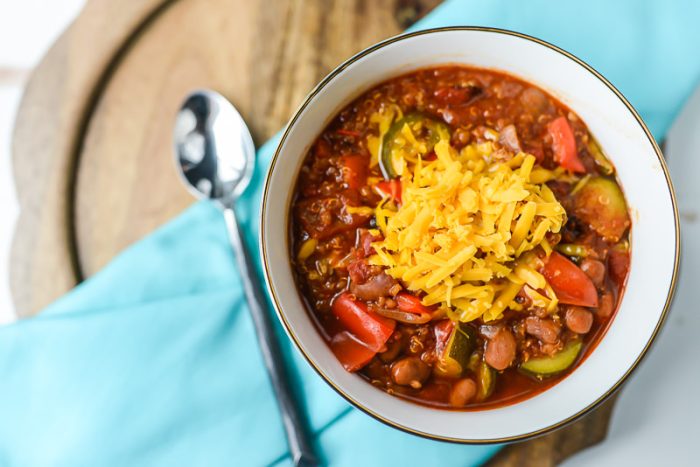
{"points": [[485, 381], [601, 204], [455, 358], [547, 366], [424, 128]]}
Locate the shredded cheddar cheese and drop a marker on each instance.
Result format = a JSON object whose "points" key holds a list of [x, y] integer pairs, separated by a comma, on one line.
{"points": [[464, 229]]}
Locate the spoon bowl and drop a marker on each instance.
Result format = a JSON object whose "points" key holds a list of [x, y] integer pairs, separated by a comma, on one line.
{"points": [[213, 147]]}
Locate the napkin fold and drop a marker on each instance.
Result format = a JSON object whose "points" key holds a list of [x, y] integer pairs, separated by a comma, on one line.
{"points": [[153, 361]]}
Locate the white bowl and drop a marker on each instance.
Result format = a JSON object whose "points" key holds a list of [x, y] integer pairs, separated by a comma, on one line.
{"points": [[626, 140]]}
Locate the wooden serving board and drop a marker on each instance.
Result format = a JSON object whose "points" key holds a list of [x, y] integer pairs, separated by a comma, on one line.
{"points": [[92, 143]]}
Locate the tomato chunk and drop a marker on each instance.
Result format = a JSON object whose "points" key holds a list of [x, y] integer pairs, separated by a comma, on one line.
{"points": [[456, 95], [411, 304], [391, 188], [569, 282], [431, 156], [350, 352], [618, 264], [354, 171], [323, 217], [322, 149], [564, 145], [369, 328], [364, 244]]}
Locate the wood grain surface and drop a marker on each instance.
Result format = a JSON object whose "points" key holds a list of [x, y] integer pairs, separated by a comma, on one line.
{"points": [[92, 143]]}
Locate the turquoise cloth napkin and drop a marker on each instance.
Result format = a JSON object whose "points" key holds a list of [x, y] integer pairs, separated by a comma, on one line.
{"points": [[154, 362]]}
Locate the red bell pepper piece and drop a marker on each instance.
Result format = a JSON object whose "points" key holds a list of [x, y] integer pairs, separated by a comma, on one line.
{"points": [[564, 145], [351, 353], [569, 282], [390, 188], [369, 328], [411, 304]]}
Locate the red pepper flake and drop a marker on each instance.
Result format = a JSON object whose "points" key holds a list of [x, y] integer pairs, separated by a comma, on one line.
{"points": [[350, 133]]}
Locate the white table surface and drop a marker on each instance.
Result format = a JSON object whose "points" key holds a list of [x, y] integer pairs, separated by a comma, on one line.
{"points": [[27, 29], [656, 419]]}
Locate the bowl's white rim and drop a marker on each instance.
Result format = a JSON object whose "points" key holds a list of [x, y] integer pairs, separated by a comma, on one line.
{"points": [[348, 397]]}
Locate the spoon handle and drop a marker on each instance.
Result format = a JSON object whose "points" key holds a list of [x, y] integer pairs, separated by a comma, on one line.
{"points": [[297, 436]]}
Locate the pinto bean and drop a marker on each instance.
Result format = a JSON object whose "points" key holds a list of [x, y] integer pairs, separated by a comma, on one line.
{"points": [[551, 349], [500, 350], [606, 305], [578, 320], [463, 391], [593, 269], [410, 371], [546, 330], [535, 102], [393, 348]]}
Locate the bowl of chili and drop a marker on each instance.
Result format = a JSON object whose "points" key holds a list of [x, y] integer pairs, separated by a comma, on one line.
{"points": [[470, 234]]}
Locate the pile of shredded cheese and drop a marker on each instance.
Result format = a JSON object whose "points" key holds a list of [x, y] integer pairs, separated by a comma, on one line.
{"points": [[464, 229]]}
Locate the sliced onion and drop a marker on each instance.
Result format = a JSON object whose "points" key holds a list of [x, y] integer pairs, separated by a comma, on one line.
{"points": [[402, 316], [376, 287], [509, 138], [489, 330]]}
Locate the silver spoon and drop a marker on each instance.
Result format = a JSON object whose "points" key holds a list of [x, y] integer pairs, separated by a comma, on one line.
{"points": [[216, 157]]}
